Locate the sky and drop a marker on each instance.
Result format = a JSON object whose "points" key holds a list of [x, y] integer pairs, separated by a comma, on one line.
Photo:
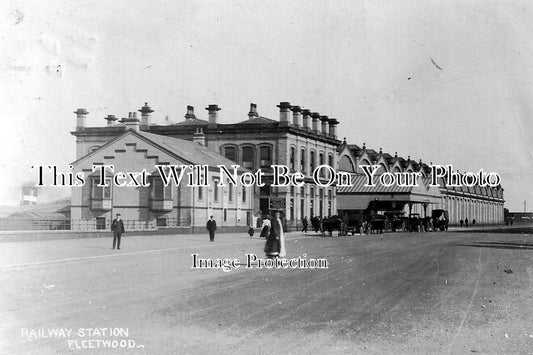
{"points": [[448, 82]]}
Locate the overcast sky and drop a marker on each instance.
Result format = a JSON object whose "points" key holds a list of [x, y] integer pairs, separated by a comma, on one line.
{"points": [[446, 82]]}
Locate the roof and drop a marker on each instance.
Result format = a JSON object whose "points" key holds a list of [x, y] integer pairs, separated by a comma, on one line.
{"points": [[183, 150], [358, 187], [38, 215], [258, 120], [190, 151], [192, 122]]}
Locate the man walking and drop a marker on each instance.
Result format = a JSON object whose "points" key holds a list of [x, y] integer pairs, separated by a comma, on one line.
{"points": [[304, 224], [118, 228], [211, 227]]}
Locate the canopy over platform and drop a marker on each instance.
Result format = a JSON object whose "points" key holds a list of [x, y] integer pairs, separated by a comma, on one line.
{"points": [[358, 196]]}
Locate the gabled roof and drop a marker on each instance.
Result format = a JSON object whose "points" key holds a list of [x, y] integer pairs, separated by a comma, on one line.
{"points": [[188, 151]]}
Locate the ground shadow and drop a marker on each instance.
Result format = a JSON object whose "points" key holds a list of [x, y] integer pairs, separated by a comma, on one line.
{"points": [[500, 245]]}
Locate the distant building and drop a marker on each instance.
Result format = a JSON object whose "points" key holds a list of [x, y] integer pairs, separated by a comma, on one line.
{"points": [[29, 195]]}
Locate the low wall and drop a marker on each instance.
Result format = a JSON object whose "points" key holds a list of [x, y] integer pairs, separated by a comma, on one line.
{"points": [[25, 236]]}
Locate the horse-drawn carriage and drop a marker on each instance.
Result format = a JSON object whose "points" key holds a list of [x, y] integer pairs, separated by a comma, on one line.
{"points": [[334, 223]]}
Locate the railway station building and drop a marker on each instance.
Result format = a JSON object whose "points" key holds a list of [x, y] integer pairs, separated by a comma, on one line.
{"points": [[300, 139]]}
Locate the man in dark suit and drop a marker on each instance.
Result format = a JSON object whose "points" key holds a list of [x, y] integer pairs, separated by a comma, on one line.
{"points": [[211, 227], [118, 228]]}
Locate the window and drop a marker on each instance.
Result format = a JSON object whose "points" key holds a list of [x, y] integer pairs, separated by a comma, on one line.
{"points": [[225, 214], [312, 201], [321, 162], [312, 162], [330, 160], [264, 190], [248, 157], [330, 197], [160, 222], [160, 191], [200, 193], [230, 196], [302, 161], [291, 211], [265, 157], [93, 148], [215, 190], [231, 153], [291, 158], [100, 192], [346, 164], [244, 194], [100, 223]]}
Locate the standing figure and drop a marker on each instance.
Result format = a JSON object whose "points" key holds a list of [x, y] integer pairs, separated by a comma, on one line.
{"points": [[275, 244], [466, 222], [265, 228], [251, 231], [304, 224], [211, 227], [461, 222], [118, 228]]}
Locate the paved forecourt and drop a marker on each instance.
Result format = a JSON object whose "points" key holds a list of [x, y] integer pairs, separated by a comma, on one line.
{"points": [[391, 293]]}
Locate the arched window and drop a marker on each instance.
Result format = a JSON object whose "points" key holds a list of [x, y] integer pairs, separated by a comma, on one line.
{"points": [[248, 158], [321, 162], [230, 153], [346, 164], [302, 161], [381, 169], [363, 162], [265, 157], [312, 162], [292, 157]]}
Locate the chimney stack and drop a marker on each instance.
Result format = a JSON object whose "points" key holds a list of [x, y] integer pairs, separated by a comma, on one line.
{"points": [[146, 113], [213, 114], [324, 120], [190, 113], [284, 108], [81, 114], [253, 111], [132, 122], [110, 120], [316, 117], [199, 136], [296, 116], [305, 119], [333, 127]]}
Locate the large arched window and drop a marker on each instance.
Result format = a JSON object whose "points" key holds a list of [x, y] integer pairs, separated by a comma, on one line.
{"points": [[363, 162], [346, 164], [381, 169]]}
